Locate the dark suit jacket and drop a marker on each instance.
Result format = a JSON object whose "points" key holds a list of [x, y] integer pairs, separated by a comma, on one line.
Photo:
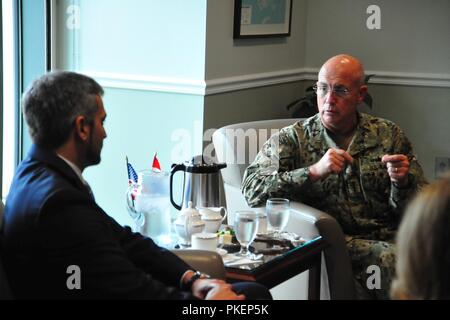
{"points": [[51, 223]]}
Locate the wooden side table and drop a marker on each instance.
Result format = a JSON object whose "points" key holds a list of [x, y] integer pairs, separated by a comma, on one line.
{"points": [[274, 270]]}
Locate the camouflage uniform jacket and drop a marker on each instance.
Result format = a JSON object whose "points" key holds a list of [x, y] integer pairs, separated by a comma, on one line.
{"points": [[362, 198]]}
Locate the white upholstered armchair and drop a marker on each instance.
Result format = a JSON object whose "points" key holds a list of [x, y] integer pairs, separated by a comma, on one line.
{"points": [[336, 275]]}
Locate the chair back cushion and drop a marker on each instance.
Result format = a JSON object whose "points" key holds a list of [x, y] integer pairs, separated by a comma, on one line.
{"points": [[238, 144]]}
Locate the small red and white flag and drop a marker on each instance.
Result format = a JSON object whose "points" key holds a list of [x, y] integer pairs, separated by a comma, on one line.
{"points": [[155, 165]]}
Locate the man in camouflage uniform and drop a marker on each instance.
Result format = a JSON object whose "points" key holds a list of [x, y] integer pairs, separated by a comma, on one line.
{"points": [[357, 168]]}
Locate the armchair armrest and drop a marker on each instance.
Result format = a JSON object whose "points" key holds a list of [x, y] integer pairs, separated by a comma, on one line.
{"points": [[309, 222], [205, 261]]}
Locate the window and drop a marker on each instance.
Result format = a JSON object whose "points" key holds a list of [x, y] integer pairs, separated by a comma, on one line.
{"points": [[9, 92], [24, 44]]}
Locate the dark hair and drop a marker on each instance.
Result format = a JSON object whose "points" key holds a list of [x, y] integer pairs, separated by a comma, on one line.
{"points": [[423, 252], [52, 103]]}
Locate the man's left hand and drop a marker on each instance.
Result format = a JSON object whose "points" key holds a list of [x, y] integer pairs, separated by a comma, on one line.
{"points": [[397, 168]]}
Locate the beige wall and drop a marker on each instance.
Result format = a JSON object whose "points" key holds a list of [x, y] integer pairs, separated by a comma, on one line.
{"points": [[248, 105], [424, 115], [414, 34], [226, 57]]}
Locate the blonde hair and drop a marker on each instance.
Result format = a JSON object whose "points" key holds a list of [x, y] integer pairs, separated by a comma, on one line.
{"points": [[423, 245]]}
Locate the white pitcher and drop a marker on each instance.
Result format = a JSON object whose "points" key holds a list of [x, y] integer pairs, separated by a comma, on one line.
{"points": [[213, 218], [148, 203]]}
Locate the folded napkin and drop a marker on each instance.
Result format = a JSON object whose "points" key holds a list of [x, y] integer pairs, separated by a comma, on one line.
{"points": [[295, 239], [285, 238]]}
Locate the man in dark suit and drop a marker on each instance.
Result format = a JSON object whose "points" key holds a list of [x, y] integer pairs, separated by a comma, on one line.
{"points": [[54, 231]]}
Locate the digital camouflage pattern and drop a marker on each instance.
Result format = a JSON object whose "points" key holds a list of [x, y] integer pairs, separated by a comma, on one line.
{"points": [[365, 253], [362, 198]]}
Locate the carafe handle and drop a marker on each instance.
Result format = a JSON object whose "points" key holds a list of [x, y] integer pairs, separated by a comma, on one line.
{"points": [[223, 209], [130, 195], [175, 168]]}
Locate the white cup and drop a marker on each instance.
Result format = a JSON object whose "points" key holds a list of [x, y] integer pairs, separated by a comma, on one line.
{"points": [[204, 241], [213, 218], [212, 225]]}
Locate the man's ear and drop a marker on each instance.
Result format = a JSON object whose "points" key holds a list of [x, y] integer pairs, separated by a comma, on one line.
{"points": [[82, 128], [362, 93]]}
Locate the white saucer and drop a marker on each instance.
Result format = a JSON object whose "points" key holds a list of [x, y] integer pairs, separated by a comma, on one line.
{"points": [[222, 252]]}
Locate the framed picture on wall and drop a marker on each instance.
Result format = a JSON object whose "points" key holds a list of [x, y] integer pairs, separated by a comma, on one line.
{"points": [[262, 18]]}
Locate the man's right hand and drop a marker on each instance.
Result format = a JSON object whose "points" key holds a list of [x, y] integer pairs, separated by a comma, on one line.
{"points": [[214, 289], [333, 162]]}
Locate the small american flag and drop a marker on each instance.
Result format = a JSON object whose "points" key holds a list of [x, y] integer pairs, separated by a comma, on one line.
{"points": [[132, 176]]}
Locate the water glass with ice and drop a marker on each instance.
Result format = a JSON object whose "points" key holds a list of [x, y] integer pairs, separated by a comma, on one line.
{"points": [[277, 210], [245, 227]]}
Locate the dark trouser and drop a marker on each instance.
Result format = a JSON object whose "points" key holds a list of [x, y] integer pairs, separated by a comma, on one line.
{"points": [[252, 290]]}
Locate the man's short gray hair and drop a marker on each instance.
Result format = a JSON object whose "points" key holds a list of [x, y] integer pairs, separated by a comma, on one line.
{"points": [[52, 103]]}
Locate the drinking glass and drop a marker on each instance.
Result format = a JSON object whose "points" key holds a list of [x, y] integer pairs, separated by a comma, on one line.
{"points": [[277, 210], [245, 228]]}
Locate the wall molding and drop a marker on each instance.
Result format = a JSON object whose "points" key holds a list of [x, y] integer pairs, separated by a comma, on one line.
{"points": [[415, 79], [230, 84], [249, 81], [148, 83]]}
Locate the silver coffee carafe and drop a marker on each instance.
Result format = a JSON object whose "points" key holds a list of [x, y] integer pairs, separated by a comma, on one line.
{"points": [[201, 182]]}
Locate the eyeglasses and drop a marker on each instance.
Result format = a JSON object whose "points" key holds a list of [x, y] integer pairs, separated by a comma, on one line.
{"points": [[322, 90]]}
